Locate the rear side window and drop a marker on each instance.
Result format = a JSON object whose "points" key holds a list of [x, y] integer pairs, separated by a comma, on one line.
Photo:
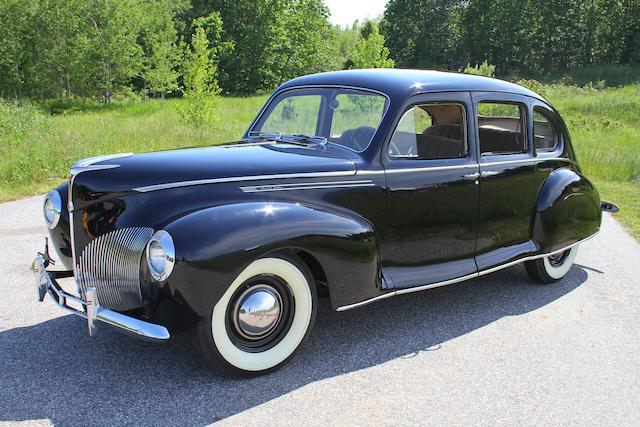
{"points": [[501, 128], [544, 131], [430, 132]]}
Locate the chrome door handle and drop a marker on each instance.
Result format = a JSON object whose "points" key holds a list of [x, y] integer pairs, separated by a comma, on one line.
{"points": [[488, 173], [474, 175]]}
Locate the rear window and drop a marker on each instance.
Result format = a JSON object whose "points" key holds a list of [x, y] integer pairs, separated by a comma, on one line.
{"points": [[544, 131], [501, 128]]}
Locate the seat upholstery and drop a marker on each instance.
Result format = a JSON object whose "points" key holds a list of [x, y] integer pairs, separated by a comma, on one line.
{"points": [[498, 141], [441, 142], [450, 131], [437, 147]]}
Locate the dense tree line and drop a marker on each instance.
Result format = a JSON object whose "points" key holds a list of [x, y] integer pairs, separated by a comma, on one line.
{"points": [[515, 35], [97, 48], [102, 48]]}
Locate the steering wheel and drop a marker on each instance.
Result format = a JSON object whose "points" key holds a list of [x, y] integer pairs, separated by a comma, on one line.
{"points": [[394, 151], [361, 137]]}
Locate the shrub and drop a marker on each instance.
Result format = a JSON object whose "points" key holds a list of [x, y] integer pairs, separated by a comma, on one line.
{"points": [[201, 88], [484, 69]]}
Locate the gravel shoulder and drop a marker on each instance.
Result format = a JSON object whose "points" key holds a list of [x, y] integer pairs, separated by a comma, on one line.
{"points": [[493, 350]]}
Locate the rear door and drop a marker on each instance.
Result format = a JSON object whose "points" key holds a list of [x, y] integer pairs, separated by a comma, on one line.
{"points": [[432, 192], [507, 178]]}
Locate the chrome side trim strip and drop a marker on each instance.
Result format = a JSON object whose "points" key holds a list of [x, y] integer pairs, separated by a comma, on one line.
{"points": [[156, 187], [365, 302], [306, 186], [459, 279], [508, 162], [532, 257], [433, 168], [436, 285], [453, 167]]}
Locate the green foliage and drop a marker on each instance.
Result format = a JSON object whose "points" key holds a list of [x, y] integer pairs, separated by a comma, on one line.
{"points": [[517, 36], [274, 40], [484, 69], [159, 40], [371, 52], [201, 88]]}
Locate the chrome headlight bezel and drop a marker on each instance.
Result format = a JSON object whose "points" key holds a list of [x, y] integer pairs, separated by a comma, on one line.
{"points": [[165, 242], [52, 209]]}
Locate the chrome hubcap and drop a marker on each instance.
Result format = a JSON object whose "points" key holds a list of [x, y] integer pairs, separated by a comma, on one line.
{"points": [[257, 312]]}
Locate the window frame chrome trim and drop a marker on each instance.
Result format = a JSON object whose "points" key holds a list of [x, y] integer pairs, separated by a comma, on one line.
{"points": [[277, 93], [465, 133]]}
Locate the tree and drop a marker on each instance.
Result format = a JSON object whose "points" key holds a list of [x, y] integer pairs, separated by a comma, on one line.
{"points": [[273, 40], [201, 88], [160, 43], [371, 52]]}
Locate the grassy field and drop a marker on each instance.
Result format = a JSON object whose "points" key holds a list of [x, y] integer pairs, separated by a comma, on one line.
{"points": [[36, 148]]}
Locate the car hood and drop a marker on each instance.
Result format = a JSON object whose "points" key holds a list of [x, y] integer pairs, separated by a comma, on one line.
{"points": [[193, 166]]}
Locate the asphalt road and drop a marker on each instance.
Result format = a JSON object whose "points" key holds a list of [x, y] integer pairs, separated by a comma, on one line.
{"points": [[495, 350]]}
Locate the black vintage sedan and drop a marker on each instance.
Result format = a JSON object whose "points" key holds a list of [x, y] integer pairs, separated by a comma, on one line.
{"points": [[352, 185]]}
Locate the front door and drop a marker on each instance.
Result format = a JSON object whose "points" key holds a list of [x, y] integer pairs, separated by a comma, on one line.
{"points": [[507, 179], [432, 192]]}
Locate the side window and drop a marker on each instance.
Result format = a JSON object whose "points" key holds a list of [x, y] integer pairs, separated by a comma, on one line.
{"points": [[544, 131], [430, 132], [294, 115], [501, 128]]}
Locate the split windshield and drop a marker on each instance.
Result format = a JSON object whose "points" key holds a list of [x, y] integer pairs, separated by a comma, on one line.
{"points": [[347, 117]]}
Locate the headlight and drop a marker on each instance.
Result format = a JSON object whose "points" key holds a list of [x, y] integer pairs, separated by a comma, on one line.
{"points": [[161, 255], [52, 208]]}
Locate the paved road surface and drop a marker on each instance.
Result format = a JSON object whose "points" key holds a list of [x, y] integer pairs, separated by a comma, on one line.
{"points": [[495, 350]]}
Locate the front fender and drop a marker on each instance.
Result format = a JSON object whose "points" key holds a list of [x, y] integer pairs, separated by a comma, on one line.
{"points": [[567, 210], [214, 245]]}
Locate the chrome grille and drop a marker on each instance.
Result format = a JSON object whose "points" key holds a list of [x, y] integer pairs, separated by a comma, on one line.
{"points": [[111, 264]]}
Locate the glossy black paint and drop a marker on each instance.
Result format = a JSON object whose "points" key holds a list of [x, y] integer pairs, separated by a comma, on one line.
{"points": [[414, 223]]}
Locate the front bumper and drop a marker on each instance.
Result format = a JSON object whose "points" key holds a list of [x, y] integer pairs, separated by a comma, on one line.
{"points": [[90, 309]]}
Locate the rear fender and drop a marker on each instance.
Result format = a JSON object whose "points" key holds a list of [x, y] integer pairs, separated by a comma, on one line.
{"points": [[214, 245], [567, 210]]}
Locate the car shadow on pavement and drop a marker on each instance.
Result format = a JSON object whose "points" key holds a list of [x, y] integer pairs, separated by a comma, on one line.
{"points": [[54, 371]]}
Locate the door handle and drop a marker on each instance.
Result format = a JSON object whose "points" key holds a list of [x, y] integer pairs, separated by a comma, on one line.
{"points": [[485, 174], [472, 176]]}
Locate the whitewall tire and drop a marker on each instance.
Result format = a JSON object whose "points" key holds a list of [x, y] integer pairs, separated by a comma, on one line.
{"points": [[262, 318], [551, 268]]}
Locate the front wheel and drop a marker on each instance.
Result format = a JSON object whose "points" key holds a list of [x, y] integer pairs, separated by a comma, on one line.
{"points": [[262, 318], [551, 268]]}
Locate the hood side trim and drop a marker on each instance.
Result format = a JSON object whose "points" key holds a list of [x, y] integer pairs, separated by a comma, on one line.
{"points": [[157, 187]]}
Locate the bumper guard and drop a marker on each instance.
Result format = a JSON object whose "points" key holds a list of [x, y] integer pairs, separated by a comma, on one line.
{"points": [[90, 309]]}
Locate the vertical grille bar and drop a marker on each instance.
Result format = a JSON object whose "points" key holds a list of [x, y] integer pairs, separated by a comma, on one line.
{"points": [[111, 264]]}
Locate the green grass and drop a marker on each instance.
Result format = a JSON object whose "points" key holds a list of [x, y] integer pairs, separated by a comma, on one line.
{"points": [[39, 158], [36, 149]]}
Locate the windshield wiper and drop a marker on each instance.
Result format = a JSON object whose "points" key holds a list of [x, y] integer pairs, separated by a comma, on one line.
{"points": [[297, 139]]}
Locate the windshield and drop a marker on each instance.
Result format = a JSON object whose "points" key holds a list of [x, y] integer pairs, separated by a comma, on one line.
{"points": [[347, 117]]}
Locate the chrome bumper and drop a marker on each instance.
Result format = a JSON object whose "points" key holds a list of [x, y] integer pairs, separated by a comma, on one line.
{"points": [[91, 310]]}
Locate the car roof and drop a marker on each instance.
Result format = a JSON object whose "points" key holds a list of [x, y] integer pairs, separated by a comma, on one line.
{"points": [[404, 82]]}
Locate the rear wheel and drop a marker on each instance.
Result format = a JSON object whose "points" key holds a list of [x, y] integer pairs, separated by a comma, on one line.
{"points": [[551, 268], [262, 318]]}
